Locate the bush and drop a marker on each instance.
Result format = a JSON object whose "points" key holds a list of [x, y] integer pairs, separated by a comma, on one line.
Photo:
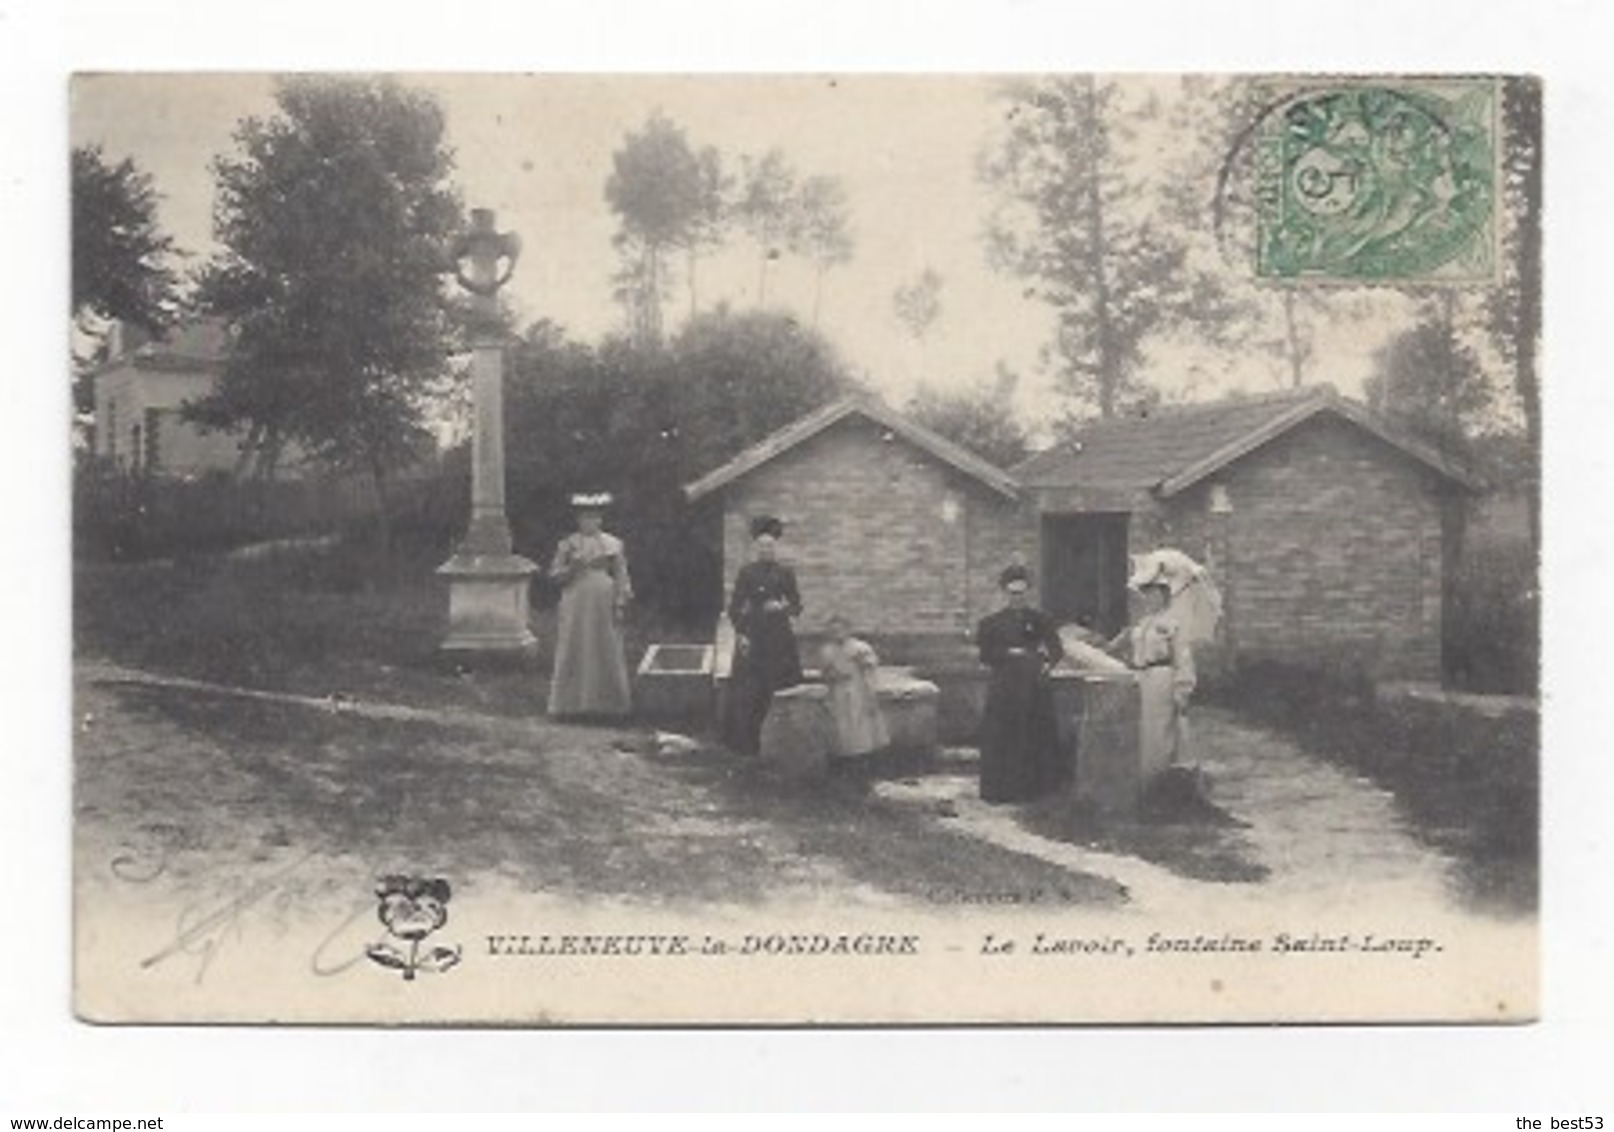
{"points": [[120, 516], [1492, 639]]}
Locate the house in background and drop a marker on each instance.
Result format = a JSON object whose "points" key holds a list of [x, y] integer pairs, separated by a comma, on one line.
{"points": [[141, 390], [1328, 533]]}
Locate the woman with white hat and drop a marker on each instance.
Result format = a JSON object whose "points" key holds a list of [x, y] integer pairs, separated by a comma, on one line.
{"points": [[591, 667], [1157, 647]]}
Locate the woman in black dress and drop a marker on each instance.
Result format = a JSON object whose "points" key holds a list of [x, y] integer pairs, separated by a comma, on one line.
{"points": [[1019, 733], [766, 658]]}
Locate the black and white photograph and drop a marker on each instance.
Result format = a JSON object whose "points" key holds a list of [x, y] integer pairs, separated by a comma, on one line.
{"points": [[794, 549]]}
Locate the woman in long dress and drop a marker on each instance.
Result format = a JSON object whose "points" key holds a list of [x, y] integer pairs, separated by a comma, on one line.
{"points": [[1019, 732], [766, 657], [1157, 649], [847, 666], [591, 668]]}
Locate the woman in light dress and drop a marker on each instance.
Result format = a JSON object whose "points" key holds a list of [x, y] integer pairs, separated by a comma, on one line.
{"points": [[847, 666], [1157, 649], [591, 668]]}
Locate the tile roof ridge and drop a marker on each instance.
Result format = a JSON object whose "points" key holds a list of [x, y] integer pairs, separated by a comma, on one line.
{"points": [[1320, 391]]}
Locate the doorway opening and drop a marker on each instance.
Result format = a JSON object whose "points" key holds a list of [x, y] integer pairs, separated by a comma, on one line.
{"points": [[1084, 570]]}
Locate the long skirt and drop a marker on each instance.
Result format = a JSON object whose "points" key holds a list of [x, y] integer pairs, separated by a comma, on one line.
{"points": [[1161, 728], [591, 668], [772, 662], [1019, 733]]}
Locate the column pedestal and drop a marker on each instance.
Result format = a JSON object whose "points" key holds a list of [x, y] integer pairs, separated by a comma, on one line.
{"points": [[487, 606]]}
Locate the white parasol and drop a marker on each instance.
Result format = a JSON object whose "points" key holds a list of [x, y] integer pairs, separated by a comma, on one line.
{"points": [[1196, 603]]}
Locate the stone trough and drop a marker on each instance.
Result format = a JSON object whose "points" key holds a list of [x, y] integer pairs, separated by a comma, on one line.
{"points": [[673, 685], [798, 734]]}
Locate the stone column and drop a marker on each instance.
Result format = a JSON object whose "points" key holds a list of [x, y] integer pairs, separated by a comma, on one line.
{"points": [[487, 583]]}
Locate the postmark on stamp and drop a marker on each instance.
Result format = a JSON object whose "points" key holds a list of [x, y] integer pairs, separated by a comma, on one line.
{"points": [[1388, 180]]}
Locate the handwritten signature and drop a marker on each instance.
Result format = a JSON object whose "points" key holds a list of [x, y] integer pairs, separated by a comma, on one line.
{"points": [[202, 931]]}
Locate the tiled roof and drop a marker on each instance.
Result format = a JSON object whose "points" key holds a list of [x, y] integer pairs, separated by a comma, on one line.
{"points": [[809, 426], [1172, 448], [200, 343]]}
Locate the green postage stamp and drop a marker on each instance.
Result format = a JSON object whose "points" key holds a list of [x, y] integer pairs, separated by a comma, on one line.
{"points": [[1386, 180]]}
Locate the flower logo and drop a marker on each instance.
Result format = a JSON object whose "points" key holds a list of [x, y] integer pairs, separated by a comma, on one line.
{"points": [[412, 908]]}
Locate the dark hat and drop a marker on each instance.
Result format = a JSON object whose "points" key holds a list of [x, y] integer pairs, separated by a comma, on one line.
{"points": [[591, 501], [1015, 576], [767, 525]]}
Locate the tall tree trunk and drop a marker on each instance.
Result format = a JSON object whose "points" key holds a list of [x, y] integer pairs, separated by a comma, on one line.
{"points": [[1451, 417], [694, 305], [1526, 377], [652, 296], [247, 461], [818, 294], [1297, 374], [1530, 398], [1109, 379], [383, 513]]}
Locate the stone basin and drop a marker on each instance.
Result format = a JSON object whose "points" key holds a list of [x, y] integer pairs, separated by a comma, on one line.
{"points": [[673, 684], [797, 736]]}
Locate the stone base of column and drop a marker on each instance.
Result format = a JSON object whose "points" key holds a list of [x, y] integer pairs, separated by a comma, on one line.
{"points": [[487, 606]]}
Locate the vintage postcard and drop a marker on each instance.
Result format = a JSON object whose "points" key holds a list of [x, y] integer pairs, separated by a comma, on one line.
{"points": [[811, 549]]}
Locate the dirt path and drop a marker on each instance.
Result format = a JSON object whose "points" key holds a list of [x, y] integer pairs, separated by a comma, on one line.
{"points": [[199, 784], [1319, 836], [603, 812]]}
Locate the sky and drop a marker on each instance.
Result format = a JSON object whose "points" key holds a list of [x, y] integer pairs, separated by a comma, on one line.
{"points": [[538, 151]]}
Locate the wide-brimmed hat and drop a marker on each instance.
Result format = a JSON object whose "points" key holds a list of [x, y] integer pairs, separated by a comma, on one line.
{"points": [[591, 500], [1166, 567]]}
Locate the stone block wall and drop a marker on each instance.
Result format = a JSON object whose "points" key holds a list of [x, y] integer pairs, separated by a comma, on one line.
{"points": [[1330, 555], [880, 531]]}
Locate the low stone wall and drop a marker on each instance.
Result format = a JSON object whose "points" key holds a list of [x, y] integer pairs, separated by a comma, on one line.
{"points": [[960, 701], [1486, 736]]}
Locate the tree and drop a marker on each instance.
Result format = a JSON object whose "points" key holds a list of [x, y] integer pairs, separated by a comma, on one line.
{"points": [[743, 375], [1429, 379], [643, 421], [121, 257], [334, 216], [918, 306], [662, 193], [1073, 220], [709, 227], [823, 230], [1209, 195], [1513, 310], [122, 260], [767, 210], [980, 419]]}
